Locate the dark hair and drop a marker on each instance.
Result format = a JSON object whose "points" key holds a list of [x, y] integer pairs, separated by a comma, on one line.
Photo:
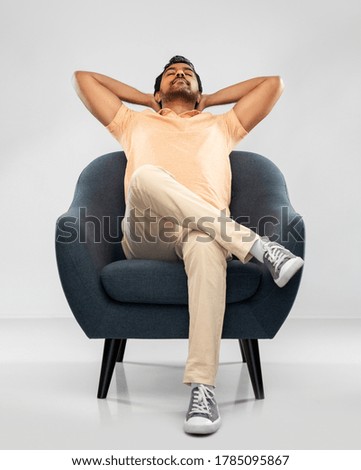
{"points": [[176, 60]]}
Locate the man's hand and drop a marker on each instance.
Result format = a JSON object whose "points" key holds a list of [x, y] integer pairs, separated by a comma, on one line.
{"points": [[203, 102], [152, 103]]}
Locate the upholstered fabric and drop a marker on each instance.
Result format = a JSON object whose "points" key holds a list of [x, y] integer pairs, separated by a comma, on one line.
{"points": [[86, 245], [165, 282]]}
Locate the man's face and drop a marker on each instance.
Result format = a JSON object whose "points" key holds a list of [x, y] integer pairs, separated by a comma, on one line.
{"points": [[178, 82]]}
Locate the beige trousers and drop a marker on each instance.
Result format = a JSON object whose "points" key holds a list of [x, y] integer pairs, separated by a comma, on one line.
{"points": [[165, 220]]}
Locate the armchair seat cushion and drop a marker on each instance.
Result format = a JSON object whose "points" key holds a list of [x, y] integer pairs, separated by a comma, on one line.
{"points": [[165, 282]]}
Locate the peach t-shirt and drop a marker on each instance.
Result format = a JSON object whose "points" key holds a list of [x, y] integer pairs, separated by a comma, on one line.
{"points": [[193, 146]]}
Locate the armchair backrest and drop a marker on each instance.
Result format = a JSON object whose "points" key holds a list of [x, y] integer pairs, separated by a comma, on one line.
{"points": [[260, 200], [259, 196], [101, 185]]}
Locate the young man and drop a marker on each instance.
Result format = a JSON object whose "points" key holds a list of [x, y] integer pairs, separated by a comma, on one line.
{"points": [[177, 187]]}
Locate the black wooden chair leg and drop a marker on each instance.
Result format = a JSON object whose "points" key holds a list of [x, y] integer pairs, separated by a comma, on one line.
{"points": [[111, 349], [242, 350], [123, 343], [251, 350]]}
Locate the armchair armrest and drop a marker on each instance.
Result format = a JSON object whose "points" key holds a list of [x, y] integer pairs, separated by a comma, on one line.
{"points": [[260, 201], [88, 237]]}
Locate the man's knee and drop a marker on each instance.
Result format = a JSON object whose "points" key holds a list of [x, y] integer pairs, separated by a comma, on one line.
{"points": [[202, 246], [143, 174]]}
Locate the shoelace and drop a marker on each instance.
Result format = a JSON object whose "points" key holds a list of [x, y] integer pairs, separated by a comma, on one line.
{"points": [[274, 254], [200, 400]]}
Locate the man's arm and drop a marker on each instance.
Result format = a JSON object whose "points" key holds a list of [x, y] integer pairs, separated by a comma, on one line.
{"points": [[254, 99], [103, 95]]}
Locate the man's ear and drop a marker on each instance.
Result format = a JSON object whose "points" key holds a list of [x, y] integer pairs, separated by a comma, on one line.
{"points": [[199, 98], [157, 97]]}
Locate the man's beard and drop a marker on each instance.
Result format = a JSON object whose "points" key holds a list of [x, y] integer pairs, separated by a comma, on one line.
{"points": [[183, 94]]}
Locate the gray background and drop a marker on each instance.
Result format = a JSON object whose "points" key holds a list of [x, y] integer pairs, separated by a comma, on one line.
{"points": [[48, 136]]}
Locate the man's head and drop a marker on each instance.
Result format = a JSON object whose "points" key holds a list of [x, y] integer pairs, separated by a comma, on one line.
{"points": [[178, 81]]}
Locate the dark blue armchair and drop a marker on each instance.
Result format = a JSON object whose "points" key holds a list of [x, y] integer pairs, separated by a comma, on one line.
{"points": [[119, 299]]}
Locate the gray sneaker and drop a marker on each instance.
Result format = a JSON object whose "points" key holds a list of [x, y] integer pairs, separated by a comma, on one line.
{"points": [[203, 413], [281, 262]]}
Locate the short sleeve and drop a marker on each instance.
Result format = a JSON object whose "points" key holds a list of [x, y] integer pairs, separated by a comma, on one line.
{"points": [[122, 122], [236, 132]]}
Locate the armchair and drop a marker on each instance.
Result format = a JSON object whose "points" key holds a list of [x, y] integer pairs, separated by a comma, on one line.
{"points": [[118, 299]]}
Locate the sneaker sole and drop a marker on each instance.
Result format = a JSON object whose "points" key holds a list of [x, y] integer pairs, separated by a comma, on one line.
{"points": [[197, 426], [289, 270]]}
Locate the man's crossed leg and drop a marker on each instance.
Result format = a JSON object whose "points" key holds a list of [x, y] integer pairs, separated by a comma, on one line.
{"points": [[165, 220]]}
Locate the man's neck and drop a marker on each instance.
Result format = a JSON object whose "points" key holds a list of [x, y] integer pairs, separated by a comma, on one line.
{"points": [[178, 107]]}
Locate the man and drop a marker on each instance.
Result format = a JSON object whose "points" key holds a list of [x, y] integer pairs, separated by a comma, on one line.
{"points": [[177, 187]]}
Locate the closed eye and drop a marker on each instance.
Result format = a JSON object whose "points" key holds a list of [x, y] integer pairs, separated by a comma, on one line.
{"points": [[188, 72]]}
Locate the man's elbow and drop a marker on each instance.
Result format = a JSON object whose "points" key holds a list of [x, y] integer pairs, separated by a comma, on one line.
{"points": [[82, 82], [75, 78], [278, 83], [78, 75]]}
